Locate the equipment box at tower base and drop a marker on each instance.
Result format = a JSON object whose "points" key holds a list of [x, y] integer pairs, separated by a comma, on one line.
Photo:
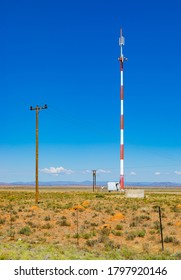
{"points": [[113, 186]]}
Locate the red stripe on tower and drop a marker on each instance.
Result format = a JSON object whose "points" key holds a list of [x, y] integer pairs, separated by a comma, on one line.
{"points": [[122, 181], [121, 92], [121, 151], [121, 64], [122, 122]]}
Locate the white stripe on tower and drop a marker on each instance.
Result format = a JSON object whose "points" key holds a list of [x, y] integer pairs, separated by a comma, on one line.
{"points": [[121, 59]]}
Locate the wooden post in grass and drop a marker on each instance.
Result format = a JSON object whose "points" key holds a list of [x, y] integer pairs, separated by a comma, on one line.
{"points": [[161, 228], [77, 226]]}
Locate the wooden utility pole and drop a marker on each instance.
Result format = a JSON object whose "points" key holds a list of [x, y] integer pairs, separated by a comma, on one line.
{"points": [[37, 108], [94, 179]]}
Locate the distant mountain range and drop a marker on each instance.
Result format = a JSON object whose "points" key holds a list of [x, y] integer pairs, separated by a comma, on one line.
{"points": [[153, 184], [89, 183], [54, 183]]}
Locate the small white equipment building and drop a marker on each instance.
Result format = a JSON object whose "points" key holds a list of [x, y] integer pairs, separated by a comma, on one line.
{"points": [[113, 186]]}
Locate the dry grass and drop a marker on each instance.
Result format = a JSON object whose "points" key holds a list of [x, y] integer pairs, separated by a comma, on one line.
{"points": [[86, 225]]}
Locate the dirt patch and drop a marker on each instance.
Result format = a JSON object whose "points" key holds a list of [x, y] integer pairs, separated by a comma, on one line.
{"points": [[117, 216]]}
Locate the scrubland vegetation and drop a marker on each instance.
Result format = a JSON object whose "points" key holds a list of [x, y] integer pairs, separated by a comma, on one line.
{"points": [[85, 225]]}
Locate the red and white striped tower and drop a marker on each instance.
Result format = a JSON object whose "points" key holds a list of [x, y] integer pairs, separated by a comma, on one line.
{"points": [[121, 59]]}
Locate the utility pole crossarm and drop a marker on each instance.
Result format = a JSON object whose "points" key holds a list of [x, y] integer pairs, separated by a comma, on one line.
{"points": [[39, 108]]}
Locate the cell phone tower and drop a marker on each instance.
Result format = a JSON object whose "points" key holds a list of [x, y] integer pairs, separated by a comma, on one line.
{"points": [[121, 60]]}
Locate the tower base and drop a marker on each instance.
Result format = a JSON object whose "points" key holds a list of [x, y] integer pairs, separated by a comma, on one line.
{"points": [[138, 193]]}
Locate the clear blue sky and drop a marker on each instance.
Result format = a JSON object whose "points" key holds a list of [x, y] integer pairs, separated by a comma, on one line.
{"points": [[65, 54]]}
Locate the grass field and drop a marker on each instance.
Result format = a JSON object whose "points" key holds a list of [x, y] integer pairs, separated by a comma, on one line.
{"points": [[80, 224]]}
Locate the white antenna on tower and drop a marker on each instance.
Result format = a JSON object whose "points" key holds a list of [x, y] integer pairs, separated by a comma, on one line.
{"points": [[121, 39], [121, 43]]}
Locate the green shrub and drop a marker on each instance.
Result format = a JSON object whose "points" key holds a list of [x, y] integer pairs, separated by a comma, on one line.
{"points": [[47, 218], [91, 242], [177, 255], [116, 232], [156, 225], [131, 235], [93, 224], [99, 196], [25, 230], [63, 222], [105, 231], [119, 227], [141, 233], [76, 235], [46, 226], [133, 224], [2, 221], [168, 239], [86, 235], [31, 224]]}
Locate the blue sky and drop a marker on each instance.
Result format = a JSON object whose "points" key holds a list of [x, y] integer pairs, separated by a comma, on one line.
{"points": [[65, 54]]}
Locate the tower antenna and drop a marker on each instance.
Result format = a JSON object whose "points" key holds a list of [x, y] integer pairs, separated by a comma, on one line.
{"points": [[121, 60]]}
